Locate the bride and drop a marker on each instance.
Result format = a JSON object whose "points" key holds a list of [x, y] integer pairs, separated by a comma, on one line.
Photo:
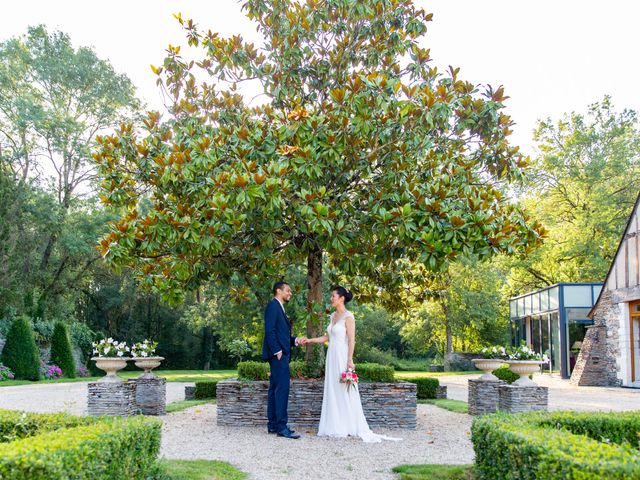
{"points": [[342, 413]]}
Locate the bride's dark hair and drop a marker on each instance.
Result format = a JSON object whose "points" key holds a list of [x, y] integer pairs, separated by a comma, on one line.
{"points": [[343, 292]]}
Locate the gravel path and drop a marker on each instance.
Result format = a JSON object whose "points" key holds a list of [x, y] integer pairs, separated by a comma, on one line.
{"points": [[441, 437]]}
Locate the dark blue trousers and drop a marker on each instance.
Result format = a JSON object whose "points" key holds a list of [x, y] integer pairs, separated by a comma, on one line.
{"points": [[278, 396]]}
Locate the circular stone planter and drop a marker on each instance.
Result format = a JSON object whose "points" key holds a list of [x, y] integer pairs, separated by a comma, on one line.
{"points": [[148, 364], [524, 368], [110, 365], [487, 365]]}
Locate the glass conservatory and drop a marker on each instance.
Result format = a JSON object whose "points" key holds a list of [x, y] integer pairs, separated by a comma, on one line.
{"points": [[553, 321]]}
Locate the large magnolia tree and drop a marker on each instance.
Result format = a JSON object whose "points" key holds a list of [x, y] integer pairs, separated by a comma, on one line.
{"points": [[357, 150]]}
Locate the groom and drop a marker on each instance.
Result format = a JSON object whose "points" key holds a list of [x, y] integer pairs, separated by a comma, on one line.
{"points": [[276, 349]]}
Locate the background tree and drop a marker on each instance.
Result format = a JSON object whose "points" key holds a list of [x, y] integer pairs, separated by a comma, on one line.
{"points": [[582, 187], [20, 352], [54, 100], [61, 352], [362, 154]]}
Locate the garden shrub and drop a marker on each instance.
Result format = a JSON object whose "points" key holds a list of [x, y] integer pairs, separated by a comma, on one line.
{"points": [[5, 373], [60, 446], [373, 354], [61, 353], [374, 372], [427, 387], [20, 352], [503, 373], [557, 446], [205, 390], [253, 370]]}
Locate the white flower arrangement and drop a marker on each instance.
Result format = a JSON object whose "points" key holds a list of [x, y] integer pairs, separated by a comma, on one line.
{"points": [[144, 349], [523, 352], [110, 348], [496, 351]]}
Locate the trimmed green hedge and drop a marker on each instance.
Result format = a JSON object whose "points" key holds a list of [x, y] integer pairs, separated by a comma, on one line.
{"points": [[205, 390], [427, 387], [557, 446], [366, 371], [61, 446], [503, 373], [374, 372]]}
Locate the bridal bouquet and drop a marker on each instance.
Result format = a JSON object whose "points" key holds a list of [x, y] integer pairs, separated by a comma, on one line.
{"points": [[349, 378]]}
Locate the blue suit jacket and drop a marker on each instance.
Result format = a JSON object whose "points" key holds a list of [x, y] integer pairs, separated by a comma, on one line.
{"points": [[277, 331]]}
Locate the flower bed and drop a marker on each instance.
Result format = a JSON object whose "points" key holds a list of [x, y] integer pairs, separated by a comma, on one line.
{"points": [[61, 446], [559, 445]]}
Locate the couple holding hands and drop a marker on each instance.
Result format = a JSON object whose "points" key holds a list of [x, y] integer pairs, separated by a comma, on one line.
{"points": [[342, 413]]}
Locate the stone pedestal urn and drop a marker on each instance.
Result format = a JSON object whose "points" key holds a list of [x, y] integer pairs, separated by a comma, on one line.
{"points": [[110, 365], [487, 365], [148, 364], [524, 368]]}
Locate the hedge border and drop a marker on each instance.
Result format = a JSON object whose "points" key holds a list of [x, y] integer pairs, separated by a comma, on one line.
{"points": [[60, 446], [557, 445]]}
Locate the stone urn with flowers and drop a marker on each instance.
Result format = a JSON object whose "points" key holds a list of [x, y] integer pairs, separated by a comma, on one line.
{"points": [[144, 356], [111, 357], [525, 362], [488, 365]]}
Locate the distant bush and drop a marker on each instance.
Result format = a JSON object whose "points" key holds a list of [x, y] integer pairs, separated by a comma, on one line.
{"points": [[374, 355], [5, 373], [49, 372], [205, 390], [61, 352], [503, 373], [20, 352], [374, 372], [253, 371], [427, 387]]}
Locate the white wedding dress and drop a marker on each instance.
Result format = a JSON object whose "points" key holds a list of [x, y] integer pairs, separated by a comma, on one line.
{"points": [[342, 413]]}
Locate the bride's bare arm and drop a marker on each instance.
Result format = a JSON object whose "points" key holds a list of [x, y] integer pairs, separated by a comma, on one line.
{"points": [[351, 337], [322, 339]]}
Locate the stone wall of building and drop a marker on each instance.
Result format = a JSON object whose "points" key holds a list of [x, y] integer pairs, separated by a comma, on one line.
{"points": [[599, 359], [388, 405]]}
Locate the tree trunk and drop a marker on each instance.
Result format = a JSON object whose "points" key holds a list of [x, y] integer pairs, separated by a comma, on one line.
{"points": [[207, 347], [314, 356]]}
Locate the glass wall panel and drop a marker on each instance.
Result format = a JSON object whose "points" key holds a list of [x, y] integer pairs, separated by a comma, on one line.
{"points": [[513, 313], [521, 307], [577, 323], [535, 334], [553, 298], [544, 300], [577, 295], [535, 303], [555, 342], [596, 292], [545, 343], [527, 305]]}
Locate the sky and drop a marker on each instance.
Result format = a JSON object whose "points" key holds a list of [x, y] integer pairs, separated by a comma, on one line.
{"points": [[552, 56]]}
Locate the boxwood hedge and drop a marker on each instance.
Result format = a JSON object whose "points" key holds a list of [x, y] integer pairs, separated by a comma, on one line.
{"points": [[371, 372], [60, 446], [558, 445], [427, 387]]}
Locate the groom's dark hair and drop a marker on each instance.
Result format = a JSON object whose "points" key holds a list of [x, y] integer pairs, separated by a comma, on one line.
{"points": [[278, 286]]}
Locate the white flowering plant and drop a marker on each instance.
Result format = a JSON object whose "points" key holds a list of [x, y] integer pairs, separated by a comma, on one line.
{"points": [[523, 352], [144, 349], [110, 348], [496, 351]]}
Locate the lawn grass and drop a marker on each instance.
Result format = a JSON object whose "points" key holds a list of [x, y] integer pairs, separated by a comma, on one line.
{"points": [[457, 406], [200, 470], [435, 472], [184, 404]]}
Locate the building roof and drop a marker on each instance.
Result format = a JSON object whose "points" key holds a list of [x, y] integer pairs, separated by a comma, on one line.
{"points": [[613, 262]]}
